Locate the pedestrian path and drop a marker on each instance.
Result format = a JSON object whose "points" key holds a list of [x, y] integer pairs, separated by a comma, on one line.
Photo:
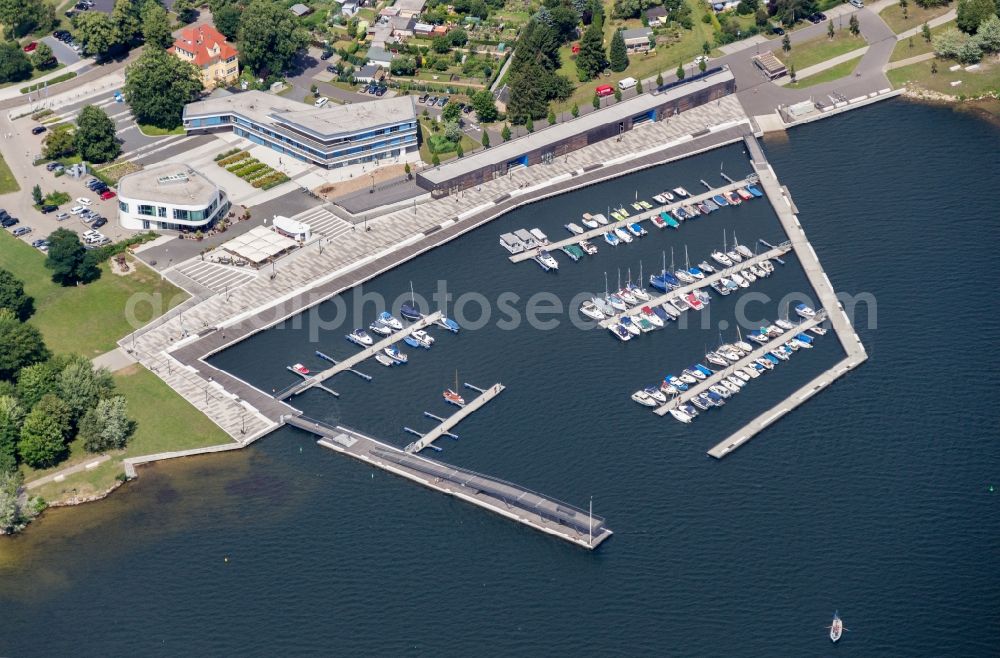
{"points": [[215, 276]]}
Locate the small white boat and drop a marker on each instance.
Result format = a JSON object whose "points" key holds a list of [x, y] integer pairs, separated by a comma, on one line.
{"points": [[424, 338], [681, 192], [705, 267], [750, 372], [590, 309], [620, 332], [540, 237], [360, 337], [300, 369], [836, 628], [684, 276], [740, 281], [386, 318], [733, 256], [748, 274], [736, 381], [393, 353], [589, 223], [784, 324], [818, 330], [744, 347], [721, 258], [644, 398], [547, 260], [600, 219], [379, 328], [638, 292], [652, 317], [680, 415], [623, 235], [805, 311], [729, 386], [576, 229], [588, 248], [767, 363], [384, 360]]}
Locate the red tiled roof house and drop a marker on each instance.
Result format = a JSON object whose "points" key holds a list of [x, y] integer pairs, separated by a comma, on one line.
{"points": [[207, 49]]}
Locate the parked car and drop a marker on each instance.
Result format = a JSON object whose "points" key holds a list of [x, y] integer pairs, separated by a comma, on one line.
{"points": [[51, 166], [38, 130], [76, 210], [432, 100], [857, 3], [467, 109], [84, 201], [4, 214], [321, 101], [18, 232], [422, 99], [61, 216], [327, 54], [777, 29], [443, 101], [30, 48], [48, 207], [107, 194], [94, 181], [62, 35], [333, 69], [99, 222], [7, 222]]}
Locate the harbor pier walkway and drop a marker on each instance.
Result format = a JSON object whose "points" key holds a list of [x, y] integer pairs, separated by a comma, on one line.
{"points": [[449, 422], [639, 216], [781, 200], [776, 252], [512, 501], [353, 360]]}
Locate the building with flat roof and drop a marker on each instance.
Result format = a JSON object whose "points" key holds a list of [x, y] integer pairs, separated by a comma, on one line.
{"points": [[409, 8], [770, 65], [332, 136], [637, 39], [217, 60], [560, 139], [169, 197]]}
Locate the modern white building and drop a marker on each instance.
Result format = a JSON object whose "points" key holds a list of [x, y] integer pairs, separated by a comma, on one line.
{"points": [[169, 197]]}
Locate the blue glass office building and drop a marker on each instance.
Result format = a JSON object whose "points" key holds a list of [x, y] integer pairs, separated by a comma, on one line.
{"points": [[331, 136]]}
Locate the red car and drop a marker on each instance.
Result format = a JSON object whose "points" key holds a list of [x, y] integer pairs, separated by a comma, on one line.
{"points": [[107, 194], [31, 47]]}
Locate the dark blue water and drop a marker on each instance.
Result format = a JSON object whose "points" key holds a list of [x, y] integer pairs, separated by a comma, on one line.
{"points": [[874, 498]]}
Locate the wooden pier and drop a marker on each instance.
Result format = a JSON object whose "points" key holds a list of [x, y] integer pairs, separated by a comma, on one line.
{"points": [[785, 208], [718, 375], [427, 440], [509, 500], [348, 363], [638, 217], [698, 285]]}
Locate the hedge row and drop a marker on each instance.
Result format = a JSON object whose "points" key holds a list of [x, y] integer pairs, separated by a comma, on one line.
{"points": [[240, 155], [104, 253], [267, 182], [241, 164], [227, 154]]}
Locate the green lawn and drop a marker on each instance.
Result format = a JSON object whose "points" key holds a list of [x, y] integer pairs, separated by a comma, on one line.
{"points": [[920, 46], [833, 73], [48, 83], [917, 16], [164, 422], [468, 145], [90, 319], [156, 131], [7, 181], [822, 48], [974, 83]]}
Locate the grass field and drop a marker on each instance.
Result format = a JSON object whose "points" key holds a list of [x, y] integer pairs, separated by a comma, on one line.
{"points": [[89, 319], [917, 16], [155, 131], [833, 73], [7, 181], [974, 83], [164, 422], [903, 49], [818, 50], [468, 145]]}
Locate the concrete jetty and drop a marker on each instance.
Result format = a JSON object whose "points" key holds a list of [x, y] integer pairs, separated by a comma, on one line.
{"points": [[779, 250], [509, 500], [443, 428], [718, 375], [308, 381], [785, 208], [631, 219]]}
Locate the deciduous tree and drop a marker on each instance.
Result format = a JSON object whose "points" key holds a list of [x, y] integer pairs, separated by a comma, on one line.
{"points": [[96, 33], [227, 20], [485, 106], [988, 35], [156, 26], [42, 57], [43, 434], [68, 260], [853, 25], [269, 37], [13, 297], [59, 143], [14, 64], [107, 426], [21, 345], [38, 380], [11, 417], [95, 135], [81, 386], [157, 87], [973, 12]]}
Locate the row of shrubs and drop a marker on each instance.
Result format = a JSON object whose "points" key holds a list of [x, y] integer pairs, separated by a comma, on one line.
{"points": [[226, 154], [247, 169], [240, 155], [273, 179], [106, 252]]}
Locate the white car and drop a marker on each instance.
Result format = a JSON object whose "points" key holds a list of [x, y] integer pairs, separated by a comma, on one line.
{"points": [[321, 101], [76, 210], [84, 201], [857, 3], [61, 216]]}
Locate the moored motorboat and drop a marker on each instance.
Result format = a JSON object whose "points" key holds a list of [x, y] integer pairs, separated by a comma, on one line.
{"points": [[601, 219], [657, 221], [620, 332], [423, 338], [636, 230], [716, 358], [744, 194], [669, 221], [766, 363], [656, 394], [623, 235], [680, 415], [547, 260], [360, 337], [752, 189], [447, 323], [384, 360], [573, 251], [393, 353], [694, 301], [711, 205], [588, 248], [300, 369], [643, 398], [721, 258], [733, 198], [706, 267], [589, 221], [805, 311], [684, 276], [652, 317], [379, 328], [630, 326], [702, 208], [720, 200], [784, 324], [681, 192], [611, 239], [590, 309], [386, 318], [818, 330], [740, 281], [452, 397], [574, 228]]}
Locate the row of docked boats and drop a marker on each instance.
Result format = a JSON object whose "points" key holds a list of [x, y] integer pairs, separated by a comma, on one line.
{"points": [[732, 379], [524, 240]]}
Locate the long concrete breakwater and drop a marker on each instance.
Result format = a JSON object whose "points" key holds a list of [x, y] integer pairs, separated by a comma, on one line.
{"points": [[509, 500]]}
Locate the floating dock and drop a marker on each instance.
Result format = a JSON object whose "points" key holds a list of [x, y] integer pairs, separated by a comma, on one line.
{"points": [[509, 500], [632, 219], [780, 250], [349, 362], [427, 440], [785, 208], [714, 378]]}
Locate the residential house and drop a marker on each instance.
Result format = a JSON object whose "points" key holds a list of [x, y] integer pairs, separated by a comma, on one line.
{"points": [[410, 8], [637, 39], [349, 8], [656, 16], [379, 56], [300, 10], [216, 60]]}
